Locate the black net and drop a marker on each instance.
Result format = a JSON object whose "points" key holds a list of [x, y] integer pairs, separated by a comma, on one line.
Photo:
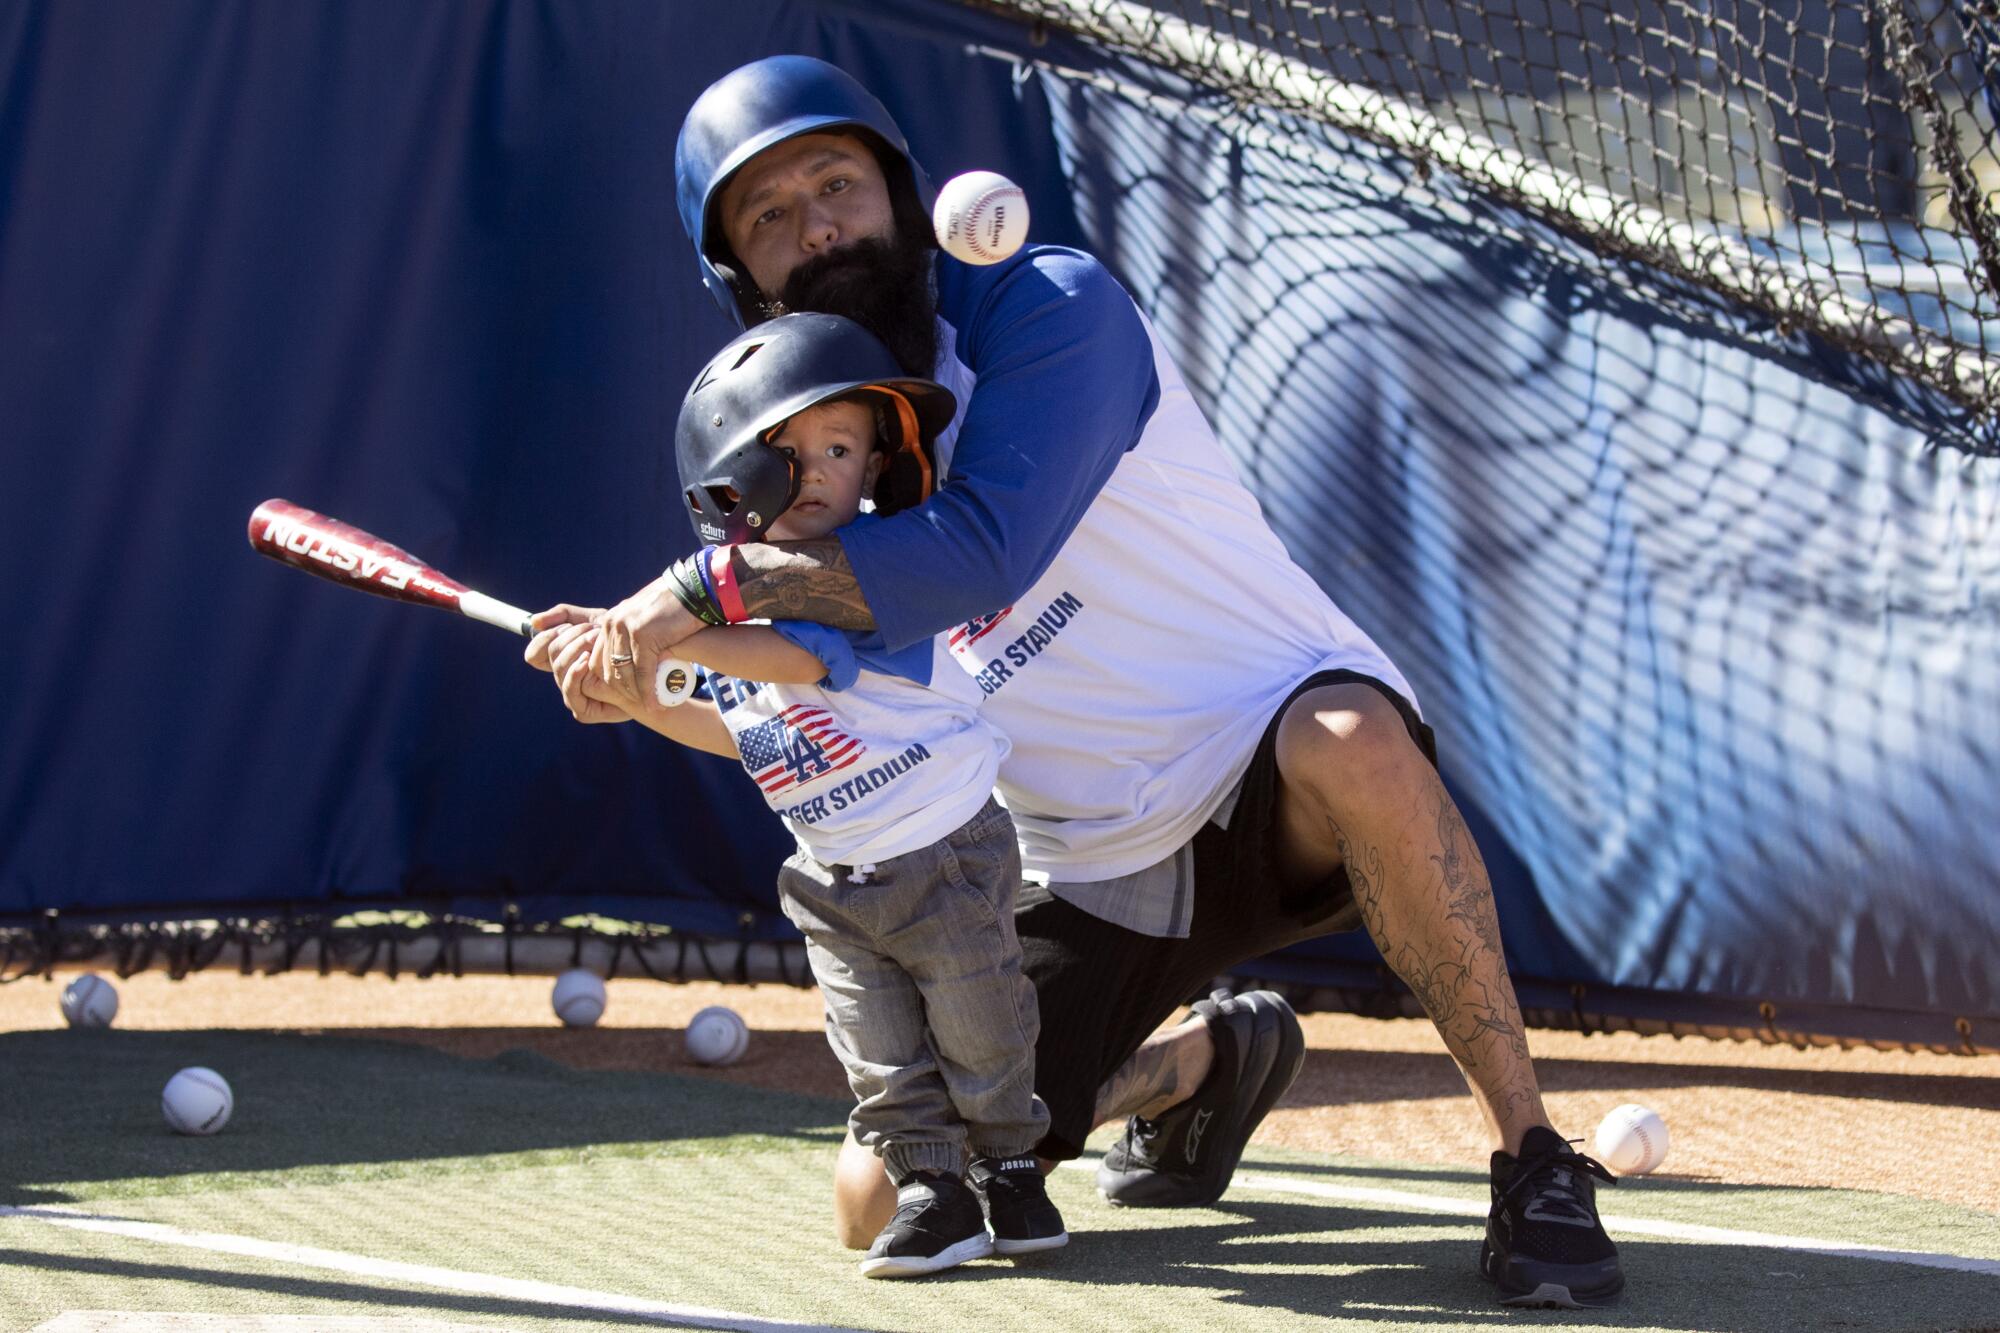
{"points": [[392, 943], [1827, 166], [421, 944]]}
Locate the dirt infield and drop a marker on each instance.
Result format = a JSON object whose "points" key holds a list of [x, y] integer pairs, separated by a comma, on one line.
{"points": [[1918, 1124]]}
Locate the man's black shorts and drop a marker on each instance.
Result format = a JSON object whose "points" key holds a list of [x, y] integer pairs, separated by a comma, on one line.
{"points": [[1103, 989]]}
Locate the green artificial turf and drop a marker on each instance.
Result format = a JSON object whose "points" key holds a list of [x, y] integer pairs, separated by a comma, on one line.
{"points": [[709, 1194]]}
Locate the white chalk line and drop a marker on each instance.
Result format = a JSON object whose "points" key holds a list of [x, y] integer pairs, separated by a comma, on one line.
{"points": [[421, 1275], [701, 1317], [1407, 1200]]}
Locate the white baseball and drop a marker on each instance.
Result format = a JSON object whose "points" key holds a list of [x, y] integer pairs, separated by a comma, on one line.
{"points": [[673, 682], [717, 1036], [197, 1101], [1632, 1140], [981, 217], [578, 998], [89, 1002]]}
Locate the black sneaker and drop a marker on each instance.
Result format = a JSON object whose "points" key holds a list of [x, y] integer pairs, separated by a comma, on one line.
{"points": [[937, 1226], [1186, 1157], [1544, 1244], [1017, 1205]]}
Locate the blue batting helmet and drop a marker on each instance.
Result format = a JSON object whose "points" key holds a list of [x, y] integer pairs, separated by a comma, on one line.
{"points": [[761, 104]]}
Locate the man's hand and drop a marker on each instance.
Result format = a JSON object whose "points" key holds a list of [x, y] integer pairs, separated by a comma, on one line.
{"points": [[637, 633], [588, 699]]}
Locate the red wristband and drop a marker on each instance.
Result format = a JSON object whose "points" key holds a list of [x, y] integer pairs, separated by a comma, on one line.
{"points": [[723, 578]]}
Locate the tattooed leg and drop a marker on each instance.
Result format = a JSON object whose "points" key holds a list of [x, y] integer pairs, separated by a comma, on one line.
{"points": [[1161, 1074], [1355, 791]]}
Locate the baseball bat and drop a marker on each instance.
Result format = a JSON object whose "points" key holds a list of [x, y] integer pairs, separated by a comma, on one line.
{"points": [[341, 553], [352, 557]]}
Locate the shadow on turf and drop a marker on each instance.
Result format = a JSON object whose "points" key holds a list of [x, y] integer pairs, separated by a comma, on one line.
{"points": [[366, 1298], [1284, 1256], [90, 1102], [1371, 1172], [1303, 1260], [785, 1061], [1354, 1077]]}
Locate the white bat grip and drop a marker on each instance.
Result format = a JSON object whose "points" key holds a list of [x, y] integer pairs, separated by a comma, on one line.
{"points": [[673, 682], [494, 612]]}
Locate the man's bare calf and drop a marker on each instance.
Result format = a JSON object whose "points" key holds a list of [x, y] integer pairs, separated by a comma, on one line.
{"points": [[1356, 792]]}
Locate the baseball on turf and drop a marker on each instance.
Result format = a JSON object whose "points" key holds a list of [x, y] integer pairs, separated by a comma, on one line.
{"points": [[89, 1002], [197, 1101], [578, 998], [1632, 1140], [717, 1036], [981, 217]]}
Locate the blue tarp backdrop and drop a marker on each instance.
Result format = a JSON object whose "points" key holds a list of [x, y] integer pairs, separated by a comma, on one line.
{"points": [[1708, 638]]}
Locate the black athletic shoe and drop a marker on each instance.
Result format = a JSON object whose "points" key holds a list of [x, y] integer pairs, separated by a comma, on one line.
{"points": [[1544, 1244], [1017, 1205], [937, 1226], [1186, 1157]]}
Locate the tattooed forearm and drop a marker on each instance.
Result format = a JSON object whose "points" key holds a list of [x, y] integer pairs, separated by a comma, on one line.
{"points": [[808, 580]]}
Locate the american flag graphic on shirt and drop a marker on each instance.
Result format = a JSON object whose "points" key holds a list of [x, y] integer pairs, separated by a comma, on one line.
{"points": [[972, 631], [796, 746]]}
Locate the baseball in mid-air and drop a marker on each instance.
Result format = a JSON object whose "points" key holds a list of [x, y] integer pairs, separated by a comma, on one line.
{"points": [[1632, 1140], [578, 998], [197, 1101], [717, 1036], [981, 217], [89, 1002]]}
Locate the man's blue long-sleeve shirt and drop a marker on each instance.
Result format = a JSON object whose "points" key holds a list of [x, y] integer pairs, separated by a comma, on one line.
{"points": [[1065, 385]]}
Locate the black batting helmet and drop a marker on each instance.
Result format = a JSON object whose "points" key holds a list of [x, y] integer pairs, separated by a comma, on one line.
{"points": [[735, 482]]}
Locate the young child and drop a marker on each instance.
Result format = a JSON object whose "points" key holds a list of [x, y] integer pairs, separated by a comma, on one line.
{"points": [[906, 872]]}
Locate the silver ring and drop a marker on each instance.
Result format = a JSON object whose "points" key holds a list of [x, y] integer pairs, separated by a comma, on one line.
{"points": [[618, 659]]}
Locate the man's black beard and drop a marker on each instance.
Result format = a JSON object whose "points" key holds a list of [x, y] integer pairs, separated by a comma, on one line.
{"points": [[881, 284]]}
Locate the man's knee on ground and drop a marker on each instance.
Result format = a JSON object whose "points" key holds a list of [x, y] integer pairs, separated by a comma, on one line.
{"points": [[1346, 743]]}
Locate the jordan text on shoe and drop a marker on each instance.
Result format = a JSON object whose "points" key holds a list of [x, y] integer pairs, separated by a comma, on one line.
{"points": [[1018, 1208]]}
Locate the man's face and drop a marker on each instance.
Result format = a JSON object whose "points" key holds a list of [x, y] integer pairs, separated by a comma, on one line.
{"points": [[800, 199]]}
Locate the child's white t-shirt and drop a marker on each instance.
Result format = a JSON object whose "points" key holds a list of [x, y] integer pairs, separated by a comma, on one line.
{"points": [[867, 770]]}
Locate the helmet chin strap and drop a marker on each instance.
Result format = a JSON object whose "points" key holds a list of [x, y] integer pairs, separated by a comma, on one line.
{"points": [[911, 436], [749, 300]]}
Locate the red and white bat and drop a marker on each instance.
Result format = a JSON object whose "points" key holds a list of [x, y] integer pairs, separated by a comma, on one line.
{"points": [[341, 553], [347, 555]]}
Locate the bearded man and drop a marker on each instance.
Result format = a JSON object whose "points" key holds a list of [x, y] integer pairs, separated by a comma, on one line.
{"points": [[1209, 760]]}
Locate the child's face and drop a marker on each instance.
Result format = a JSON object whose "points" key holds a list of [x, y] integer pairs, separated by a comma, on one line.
{"points": [[834, 448]]}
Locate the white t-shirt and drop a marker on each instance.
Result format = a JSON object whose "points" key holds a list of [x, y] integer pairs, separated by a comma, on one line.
{"points": [[869, 772], [1124, 743]]}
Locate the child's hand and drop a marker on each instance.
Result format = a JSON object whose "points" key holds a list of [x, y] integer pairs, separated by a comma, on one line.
{"points": [[587, 697], [553, 628]]}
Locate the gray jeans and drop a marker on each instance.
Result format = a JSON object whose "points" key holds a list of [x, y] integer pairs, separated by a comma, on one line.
{"points": [[926, 1004]]}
